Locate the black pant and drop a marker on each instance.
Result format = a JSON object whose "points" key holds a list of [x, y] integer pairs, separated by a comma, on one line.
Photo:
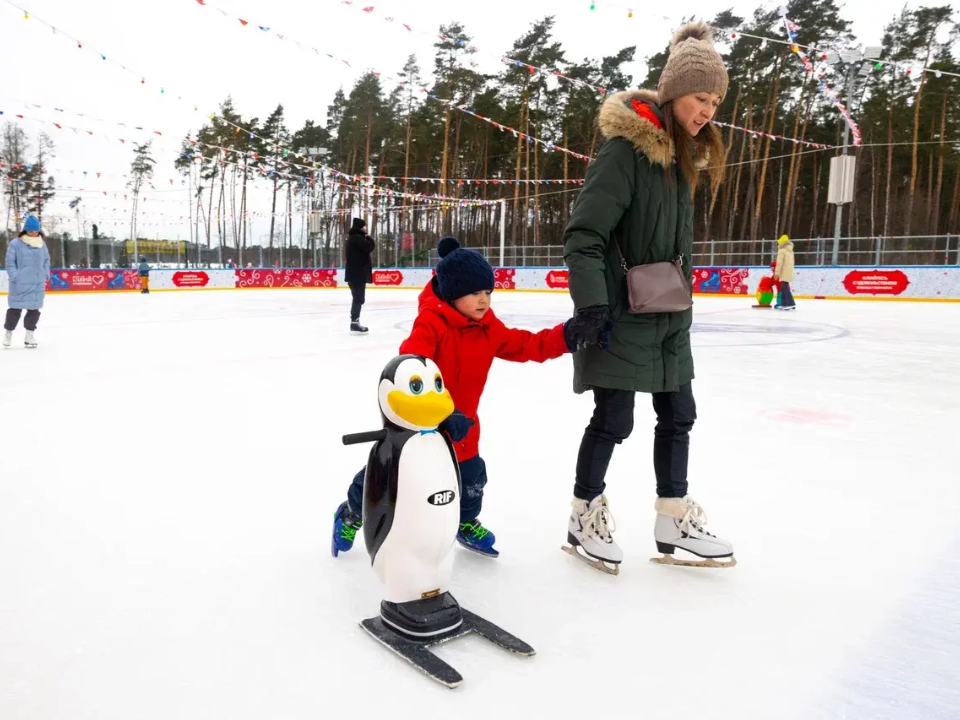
{"points": [[359, 292], [612, 423], [13, 318], [473, 478], [785, 298]]}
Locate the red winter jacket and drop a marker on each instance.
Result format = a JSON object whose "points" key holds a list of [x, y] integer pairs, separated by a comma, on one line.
{"points": [[464, 350]]}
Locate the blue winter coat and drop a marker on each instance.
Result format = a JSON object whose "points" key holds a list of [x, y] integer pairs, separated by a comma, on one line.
{"points": [[144, 270], [29, 270]]}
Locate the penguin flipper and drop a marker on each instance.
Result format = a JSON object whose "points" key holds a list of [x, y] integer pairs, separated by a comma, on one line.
{"points": [[379, 494]]}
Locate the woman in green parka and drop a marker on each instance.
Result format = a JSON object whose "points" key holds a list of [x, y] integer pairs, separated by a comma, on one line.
{"points": [[639, 193]]}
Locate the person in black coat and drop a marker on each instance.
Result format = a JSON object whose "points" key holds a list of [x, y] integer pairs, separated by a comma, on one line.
{"points": [[359, 269]]}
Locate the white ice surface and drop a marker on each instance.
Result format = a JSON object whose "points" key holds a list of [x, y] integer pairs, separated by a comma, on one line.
{"points": [[170, 466]]}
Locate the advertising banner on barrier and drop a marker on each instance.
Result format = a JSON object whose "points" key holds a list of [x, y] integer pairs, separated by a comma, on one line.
{"points": [[190, 278], [93, 280], [721, 281], [876, 282], [390, 278], [928, 283], [287, 278], [558, 279]]}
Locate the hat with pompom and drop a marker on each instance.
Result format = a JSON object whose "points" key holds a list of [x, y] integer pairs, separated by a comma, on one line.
{"points": [[694, 64], [461, 271]]}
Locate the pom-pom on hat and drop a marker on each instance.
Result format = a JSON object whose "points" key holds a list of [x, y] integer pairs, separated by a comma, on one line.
{"points": [[694, 64], [461, 271], [31, 224]]}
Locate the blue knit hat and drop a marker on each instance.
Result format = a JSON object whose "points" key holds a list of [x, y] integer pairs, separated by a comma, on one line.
{"points": [[32, 224], [461, 271]]}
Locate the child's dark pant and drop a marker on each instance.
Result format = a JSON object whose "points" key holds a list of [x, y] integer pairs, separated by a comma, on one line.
{"points": [[473, 477], [13, 318]]}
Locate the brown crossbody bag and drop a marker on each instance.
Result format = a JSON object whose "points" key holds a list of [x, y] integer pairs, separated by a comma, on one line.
{"points": [[656, 287]]}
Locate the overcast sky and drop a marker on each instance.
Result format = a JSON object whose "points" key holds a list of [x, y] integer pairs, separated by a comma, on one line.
{"points": [[197, 54]]}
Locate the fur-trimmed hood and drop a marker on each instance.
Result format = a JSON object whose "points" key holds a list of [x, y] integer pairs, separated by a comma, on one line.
{"points": [[618, 119]]}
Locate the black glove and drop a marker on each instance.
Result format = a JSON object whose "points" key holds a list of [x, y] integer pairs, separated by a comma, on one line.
{"points": [[590, 326], [456, 426]]}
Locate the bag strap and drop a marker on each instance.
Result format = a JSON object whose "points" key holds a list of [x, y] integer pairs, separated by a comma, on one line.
{"points": [[623, 260]]}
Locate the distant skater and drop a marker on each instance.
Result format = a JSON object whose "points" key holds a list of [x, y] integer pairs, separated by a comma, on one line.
{"points": [[359, 270], [144, 272], [784, 273]]}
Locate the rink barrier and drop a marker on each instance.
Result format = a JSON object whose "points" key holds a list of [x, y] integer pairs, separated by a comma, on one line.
{"points": [[917, 283]]}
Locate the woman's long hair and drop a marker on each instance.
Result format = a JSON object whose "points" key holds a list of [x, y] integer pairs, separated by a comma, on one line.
{"points": [[687, 146]]}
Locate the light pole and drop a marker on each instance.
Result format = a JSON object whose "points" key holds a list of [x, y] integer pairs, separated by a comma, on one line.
{"points": [[843, 167]]}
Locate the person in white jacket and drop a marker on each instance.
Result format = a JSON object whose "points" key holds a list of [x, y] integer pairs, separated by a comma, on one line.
{"points": [[784, 272]]}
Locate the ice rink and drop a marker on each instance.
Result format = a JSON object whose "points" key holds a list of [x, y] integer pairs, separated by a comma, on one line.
{"points": [[171, 465]]}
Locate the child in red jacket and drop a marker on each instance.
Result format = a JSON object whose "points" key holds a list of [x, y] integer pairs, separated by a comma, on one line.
{"points": [[456, 328]]}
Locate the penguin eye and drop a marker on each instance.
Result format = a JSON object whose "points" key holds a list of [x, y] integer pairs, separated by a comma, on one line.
{"points": [[416, 385], [438, 383]]}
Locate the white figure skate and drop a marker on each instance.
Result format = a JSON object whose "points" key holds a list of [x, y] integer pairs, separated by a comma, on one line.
{"points": [[7, 337], [590, 535], [679, 525]]}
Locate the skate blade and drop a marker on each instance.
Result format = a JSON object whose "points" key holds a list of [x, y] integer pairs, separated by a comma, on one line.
{"points": [[493, 555], [608, 568], [703, 562]]}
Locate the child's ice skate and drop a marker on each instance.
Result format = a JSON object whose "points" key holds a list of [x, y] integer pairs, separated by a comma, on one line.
{"points": [[590, 534], [357, 329], [679, 525], [29, 340], [345, 526], [474, 536], [7, 337]]}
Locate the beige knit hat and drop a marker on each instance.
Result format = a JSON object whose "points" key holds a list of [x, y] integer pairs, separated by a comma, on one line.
{"points": [[694, 65]]}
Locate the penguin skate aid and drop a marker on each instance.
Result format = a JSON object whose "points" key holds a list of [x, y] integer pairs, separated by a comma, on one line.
{"points": [[411, 500], [457, 329], [628, 246]]}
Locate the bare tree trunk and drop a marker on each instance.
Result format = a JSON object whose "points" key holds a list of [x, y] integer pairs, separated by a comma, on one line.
{"points": [[565, 205], [736, 189], [767, 128], [406, 171], [728, 146], [955, 202], [794, 175], [886, 208], [519, 162], [938, 196], [913, 151]]}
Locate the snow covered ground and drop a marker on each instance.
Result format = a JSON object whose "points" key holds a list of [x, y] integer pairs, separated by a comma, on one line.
{"points": [[171, 464]]}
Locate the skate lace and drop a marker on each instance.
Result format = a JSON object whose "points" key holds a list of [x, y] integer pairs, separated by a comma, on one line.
{"points": [[349, 532], [694, 518], [599, 521], [477, 530]]}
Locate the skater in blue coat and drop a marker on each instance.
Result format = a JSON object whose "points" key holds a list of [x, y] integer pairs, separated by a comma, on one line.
{"points": [[28, 269]]}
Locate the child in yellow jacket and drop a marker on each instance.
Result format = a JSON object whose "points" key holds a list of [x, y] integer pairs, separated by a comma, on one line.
{"points": [[784, 272]]}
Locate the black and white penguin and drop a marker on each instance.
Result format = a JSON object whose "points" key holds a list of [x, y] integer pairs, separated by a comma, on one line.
{"points": [[411, 498]]}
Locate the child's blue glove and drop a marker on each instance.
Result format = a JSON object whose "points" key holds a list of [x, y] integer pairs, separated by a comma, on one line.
{"points": [[456, 426]]}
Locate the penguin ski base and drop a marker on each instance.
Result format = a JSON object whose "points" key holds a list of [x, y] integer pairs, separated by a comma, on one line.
{"points": [[418, 654]]}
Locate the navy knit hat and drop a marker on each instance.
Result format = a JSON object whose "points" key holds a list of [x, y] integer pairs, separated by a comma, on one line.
{"points": [[461, 271]]}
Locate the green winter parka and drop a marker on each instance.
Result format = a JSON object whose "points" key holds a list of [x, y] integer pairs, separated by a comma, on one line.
{"points": [[634, 192]]}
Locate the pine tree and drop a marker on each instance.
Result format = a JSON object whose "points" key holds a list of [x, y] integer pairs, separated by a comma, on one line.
{"points": [[141, 172]]}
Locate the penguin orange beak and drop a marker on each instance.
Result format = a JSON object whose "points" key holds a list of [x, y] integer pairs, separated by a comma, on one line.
{"points": [[425, 411]]}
